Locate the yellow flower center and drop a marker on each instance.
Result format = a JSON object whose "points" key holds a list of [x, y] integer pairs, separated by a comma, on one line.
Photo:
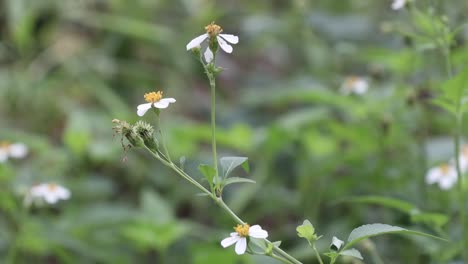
{"points": [[242, 230], [4, 144], [52, 187], [153, 97], [213, 30], [444, 168], [351, 81]]}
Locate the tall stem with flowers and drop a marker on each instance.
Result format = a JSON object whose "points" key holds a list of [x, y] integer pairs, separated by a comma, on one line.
{"points": [[142, 135]]}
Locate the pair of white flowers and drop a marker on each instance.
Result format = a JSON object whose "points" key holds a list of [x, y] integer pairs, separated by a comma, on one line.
{"points": [[213, 34], [51, 193], [445, 175], [12, 150]]}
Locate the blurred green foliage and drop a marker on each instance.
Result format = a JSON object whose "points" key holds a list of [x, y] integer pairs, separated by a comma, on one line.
{"points": [[67, 68]]}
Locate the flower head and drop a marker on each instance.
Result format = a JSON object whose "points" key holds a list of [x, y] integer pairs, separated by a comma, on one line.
{"points": [[398, 4], [445, 175], [13, 150], [354, 84], [213, 33], [50, 192], [154, 99], [240, 237]]}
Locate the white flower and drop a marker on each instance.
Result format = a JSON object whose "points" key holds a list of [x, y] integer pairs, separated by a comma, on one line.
{"points": [[154, 99], [336, 244], [445, 175], [213, 32], [398, 4], [463, 159], [50, 192], [240, 237], [354, 84], [13, 150]]}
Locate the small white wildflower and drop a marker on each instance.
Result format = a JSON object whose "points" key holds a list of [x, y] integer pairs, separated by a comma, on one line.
{"points": [[354, 84], [445, 175], [398, 4], [336, 244], [240, 237], [463, 159], [213, 32], [50, 192], [154, 99], [13, 150]]}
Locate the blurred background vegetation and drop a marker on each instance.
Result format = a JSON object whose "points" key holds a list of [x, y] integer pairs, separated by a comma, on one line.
{"points": [[68, 67]]}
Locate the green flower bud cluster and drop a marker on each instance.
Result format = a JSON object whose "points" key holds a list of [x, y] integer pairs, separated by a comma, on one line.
{"points": [[138, 135]]}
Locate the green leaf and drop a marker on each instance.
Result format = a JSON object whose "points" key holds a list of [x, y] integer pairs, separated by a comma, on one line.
{"points": [[207, 171], [351, 252], [431, 219], [384, 201], [366, 231], [232, 180], [454, 88], [230, 163]]}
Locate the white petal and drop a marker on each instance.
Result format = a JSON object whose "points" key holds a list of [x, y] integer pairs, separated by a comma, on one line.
{"points": [[169, 100], [50, 198], [433, 175], [230, 38], [141, 109], [336, 243], [360, 87], [63, 193], [223, 44], [3, 156], [446, 182], [196, 41], [229, 241], [241, 246], [161, 104], [208, 55], [38, 190], [398, 4], [18, 150], [257, 232]]}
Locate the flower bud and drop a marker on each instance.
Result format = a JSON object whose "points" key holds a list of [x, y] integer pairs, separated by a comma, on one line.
{"points": [[146, 132], [127, 131]]}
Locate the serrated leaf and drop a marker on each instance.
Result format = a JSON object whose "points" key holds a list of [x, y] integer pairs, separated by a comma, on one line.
{"points": [[232, 180], [207, 171], [230, 163], [351, 252], [366, 231]]}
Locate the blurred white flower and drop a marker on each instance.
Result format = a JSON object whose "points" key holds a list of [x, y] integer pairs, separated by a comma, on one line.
{"points": [[13, 150], [50, 192], [154, 99], [354, 84], [445, 175], [398, 4], [213, 32], [463, 159], [240, 237]]}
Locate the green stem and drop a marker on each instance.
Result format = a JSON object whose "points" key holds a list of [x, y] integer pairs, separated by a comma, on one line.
{"points": [[213, 121], [219, 201], [317, 254], [458, 129]]}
